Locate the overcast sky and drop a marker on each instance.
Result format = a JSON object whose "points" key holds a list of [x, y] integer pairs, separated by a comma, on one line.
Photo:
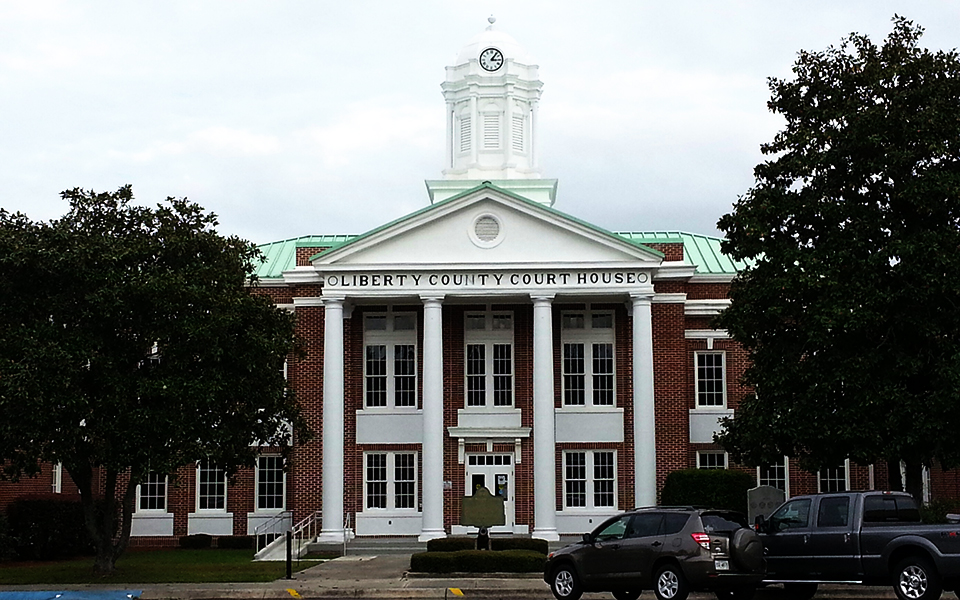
{"points": [[289, 118]]}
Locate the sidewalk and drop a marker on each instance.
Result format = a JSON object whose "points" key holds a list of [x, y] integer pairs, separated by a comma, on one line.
{"points": [[385, 577]]}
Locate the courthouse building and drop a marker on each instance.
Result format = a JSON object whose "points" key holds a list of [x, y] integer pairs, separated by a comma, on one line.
{"points": [[490, 339]]}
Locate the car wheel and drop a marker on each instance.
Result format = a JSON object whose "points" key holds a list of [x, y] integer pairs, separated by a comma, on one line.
{"points": [[670, 584], [626, 594], [800, 591], [916, 579], [744, 593], [565, 583]]}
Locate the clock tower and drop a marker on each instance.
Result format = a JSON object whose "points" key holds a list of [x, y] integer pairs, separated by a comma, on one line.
{"points": [[491, 93]]}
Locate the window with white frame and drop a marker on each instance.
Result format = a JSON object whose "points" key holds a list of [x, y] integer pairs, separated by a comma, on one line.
{"points": [[589, 479], [211, 486], [390, 359], [711, 376], [152, 493], [271, 483], [834, 479], [775, 475], [711, 459], [489, 358], [390, 481], [58, 478], [588, 358]]}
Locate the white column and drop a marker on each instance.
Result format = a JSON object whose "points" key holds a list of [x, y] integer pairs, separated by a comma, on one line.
{"points": [[432, 525], [332, 492], [644, 431], [544, 423]]}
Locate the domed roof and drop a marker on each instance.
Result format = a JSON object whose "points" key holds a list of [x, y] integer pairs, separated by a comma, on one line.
{"points": [[490, 37]]}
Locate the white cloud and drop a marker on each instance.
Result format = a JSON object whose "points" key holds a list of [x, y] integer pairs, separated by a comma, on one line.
{"points": [[214, 141]]}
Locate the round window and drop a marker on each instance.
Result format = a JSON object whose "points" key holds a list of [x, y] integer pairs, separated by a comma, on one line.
{"points": [[487, 231]]}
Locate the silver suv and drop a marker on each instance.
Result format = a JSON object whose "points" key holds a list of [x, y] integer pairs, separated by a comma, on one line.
{"points": [[672, 550]]}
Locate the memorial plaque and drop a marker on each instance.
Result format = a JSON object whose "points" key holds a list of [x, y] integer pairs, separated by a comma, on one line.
{"points": [[763, 501], [482, 509]]}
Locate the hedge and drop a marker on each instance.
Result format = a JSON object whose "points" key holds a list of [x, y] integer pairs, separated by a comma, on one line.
{"points": [[478, 561], [454, 544], [937, 510], [712, 488], [197, 541], [235, 542], [8, 547], [48, 528]]}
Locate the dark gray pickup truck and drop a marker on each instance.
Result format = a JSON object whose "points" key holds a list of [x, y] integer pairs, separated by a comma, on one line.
{"points": [[871, 538]]}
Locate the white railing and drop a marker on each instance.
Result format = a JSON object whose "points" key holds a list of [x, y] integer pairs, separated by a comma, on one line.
{"points": [[270, 530]]}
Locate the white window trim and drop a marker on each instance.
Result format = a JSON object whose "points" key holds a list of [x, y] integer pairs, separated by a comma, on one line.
{"points": [[58, 478], [589, 506], [166, 500], [588, 336], [846, 475], [197, 494], [391, 481], [256, 487], [726, 459], [490, 337], [696, 380], [390, 339], [786, 475]]}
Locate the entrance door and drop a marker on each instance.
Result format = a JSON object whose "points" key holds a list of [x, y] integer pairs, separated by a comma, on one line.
{"points": [[494, 472]]}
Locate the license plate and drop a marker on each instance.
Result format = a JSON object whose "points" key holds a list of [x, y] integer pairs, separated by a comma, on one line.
{"points": [[722, 565]]}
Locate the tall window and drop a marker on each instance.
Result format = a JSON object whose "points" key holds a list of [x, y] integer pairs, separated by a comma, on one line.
{"points": [[390, 480], [211, 486], [271, 483], [711, 460], [588, 358], [465, 133], [589, 479], [711, 380], [489, 358], [835, 479], [390, 360], [774, 475], [152, 493]]}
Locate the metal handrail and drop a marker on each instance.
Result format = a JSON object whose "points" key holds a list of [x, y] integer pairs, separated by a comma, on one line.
{"points": [[269, 530]]}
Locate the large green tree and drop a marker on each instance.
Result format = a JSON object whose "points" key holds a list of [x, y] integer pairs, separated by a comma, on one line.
{"points": [[130, 343], [850, 304]]}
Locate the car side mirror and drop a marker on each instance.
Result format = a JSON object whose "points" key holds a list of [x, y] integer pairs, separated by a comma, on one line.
{"points": [[758, 523], [587, 539]]}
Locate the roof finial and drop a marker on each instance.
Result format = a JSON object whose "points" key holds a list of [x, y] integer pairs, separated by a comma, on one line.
{"points": [[491, 19]]}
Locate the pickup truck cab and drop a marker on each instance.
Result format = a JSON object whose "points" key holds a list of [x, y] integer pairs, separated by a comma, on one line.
{"points": [[870, 538]]}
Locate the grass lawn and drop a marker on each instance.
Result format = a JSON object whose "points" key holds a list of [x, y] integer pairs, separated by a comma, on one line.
{"points": [[152, 566]]}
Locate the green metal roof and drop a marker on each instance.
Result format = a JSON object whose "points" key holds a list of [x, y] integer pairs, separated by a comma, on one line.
{"points": [[282, 256], [701, 250]]}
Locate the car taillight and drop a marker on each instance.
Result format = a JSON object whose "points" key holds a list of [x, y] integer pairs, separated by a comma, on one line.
{"points": [[702, 539]]}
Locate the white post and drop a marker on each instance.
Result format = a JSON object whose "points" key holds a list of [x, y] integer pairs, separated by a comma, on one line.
{"points": [[432, 523], [544, 423], [644, 432], [332, 491]]}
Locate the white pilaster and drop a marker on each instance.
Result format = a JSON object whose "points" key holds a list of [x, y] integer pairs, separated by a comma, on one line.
{"points": [[332, 492], [544, 423], [644, 432], [432, 525]]}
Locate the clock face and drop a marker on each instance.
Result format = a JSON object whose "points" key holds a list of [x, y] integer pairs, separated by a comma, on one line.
{"points": [[491, 59]]}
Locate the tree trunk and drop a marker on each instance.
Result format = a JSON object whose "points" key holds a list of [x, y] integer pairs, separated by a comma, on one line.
{"points": [[100, 515], [915, 480], [894, 481]]}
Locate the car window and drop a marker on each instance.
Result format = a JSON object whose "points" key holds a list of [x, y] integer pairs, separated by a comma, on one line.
{"points": [[834, 511], [673, 523], [722, 523], [614, 530], [890, 509], [792, 515], [644, 525]]}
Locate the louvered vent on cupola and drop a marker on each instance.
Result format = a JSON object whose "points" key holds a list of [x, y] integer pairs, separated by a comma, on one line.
{"points": [[517, 133], [465, 133], [491, 131]]}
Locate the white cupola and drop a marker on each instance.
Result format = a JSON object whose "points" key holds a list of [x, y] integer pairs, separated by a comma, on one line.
{"points": [[492, 92]]}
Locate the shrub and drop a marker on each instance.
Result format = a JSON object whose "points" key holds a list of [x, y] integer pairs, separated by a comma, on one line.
{"points": [[197, 541], [452, 544], [235, 542], [478, 561], [518, 543], [936, 511], [48, 527], [712, 488], [8, 547]]}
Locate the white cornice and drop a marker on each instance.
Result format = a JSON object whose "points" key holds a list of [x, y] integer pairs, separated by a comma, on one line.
{"points": [[713, 278], [301, 275], [669, 298], [674, 269], [504, 433], [270, 283], [706, 334], [705, 308], [307, 302]]}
